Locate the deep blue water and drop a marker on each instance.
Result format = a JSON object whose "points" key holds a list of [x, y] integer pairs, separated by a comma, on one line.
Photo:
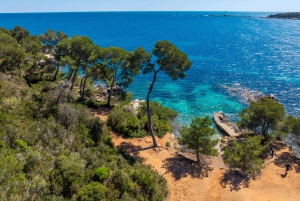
{"points": [[243, 51]]}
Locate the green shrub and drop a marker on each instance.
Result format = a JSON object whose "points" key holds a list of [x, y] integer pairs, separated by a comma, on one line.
{"points": [[2, 145], [168, 144], [124, 120], [102, 173], [93, 191], [21, 144], [91, 103]]}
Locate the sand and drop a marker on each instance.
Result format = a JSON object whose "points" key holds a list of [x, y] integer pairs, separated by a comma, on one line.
{"points": [[188, 181]]}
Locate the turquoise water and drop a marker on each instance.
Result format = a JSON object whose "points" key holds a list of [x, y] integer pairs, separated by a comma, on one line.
{"points": [[239, 51]]}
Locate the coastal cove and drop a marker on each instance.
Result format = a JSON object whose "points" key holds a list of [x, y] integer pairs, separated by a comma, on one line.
{"points": [[240, 52]]}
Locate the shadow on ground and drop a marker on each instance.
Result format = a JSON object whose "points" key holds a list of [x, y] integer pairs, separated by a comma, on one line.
{"points": [[287, 157], [180, 167], [131, 151], [101, 111], [236, 180], [129, 147]]}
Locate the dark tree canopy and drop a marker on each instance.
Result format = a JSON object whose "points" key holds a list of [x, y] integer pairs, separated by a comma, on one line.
{"points": [[263, 116], [123, 65], [245, 154], [11, 54], [19, 33]]}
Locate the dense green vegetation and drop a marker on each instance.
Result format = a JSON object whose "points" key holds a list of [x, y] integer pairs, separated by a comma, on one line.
{"points": [[125, 120], [51, 147], [263, 122], [289, 15], [245, 154], [263, 117]]}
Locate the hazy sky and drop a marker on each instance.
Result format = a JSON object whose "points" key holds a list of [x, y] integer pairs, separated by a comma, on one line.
{"points": [[148, 5]]}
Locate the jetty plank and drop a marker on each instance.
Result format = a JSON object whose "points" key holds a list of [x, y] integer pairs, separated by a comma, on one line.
{"points": [[225, 125]]}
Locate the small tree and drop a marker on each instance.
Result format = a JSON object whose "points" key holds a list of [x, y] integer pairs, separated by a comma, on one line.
{"points": [[171, 61], [11, 54], [293, 125], [263, 116], [245, 155], [198, 136]]}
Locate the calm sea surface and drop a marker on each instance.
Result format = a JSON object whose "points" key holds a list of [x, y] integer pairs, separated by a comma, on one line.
{"points": [[230, 54]]}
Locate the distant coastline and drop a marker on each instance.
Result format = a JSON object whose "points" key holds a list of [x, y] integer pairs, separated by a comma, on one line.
{"points": [[289, 15]]}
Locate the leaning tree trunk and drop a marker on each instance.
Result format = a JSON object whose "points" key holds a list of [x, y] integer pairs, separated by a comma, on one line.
{"points": [[148, 110], [272, 150], [84, 83], [80, 87], [110, 92], [54, 77], [74, 78], [198, 157]]}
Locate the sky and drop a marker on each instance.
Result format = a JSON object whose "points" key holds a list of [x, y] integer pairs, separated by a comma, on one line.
{"points": [[17, 6]]}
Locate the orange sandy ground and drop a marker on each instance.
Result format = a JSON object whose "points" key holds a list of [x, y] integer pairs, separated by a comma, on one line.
{"points": [[188, 182]]}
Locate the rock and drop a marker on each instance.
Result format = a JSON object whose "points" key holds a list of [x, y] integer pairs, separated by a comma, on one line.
{"points": [[225, 139], [104, 91]]}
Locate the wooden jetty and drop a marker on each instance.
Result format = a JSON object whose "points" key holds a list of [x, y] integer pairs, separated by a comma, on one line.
{"points": [[228, 127]]}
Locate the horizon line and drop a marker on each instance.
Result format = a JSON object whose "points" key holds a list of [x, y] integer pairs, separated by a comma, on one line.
{"points": [[106, 11]]}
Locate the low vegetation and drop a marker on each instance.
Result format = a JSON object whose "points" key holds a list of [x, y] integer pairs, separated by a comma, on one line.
{"points": [[131, 123], [51, 147]]}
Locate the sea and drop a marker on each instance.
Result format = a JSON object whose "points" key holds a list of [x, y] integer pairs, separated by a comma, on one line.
{"points": [[233, 54]]}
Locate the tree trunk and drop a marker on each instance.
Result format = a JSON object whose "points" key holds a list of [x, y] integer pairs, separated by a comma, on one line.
{"points": [[19, 70], [80, 87], [84, 83], [198, 157], [272, 150], [110, 92], [74, 78], [70, 74], [54, 77], [148, 110]]}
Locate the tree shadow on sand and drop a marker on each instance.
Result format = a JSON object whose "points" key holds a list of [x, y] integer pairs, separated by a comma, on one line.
{"points": [[236, 180], [180, 167], [287, 157], [128, 148]]}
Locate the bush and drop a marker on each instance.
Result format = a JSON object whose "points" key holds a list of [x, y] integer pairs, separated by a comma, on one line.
{"points": [[124, 120], [2, 145], [246, 154], [21, 144], [91, 103], [161, 118], [168, 144], [93, 191], [102, 173]]}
